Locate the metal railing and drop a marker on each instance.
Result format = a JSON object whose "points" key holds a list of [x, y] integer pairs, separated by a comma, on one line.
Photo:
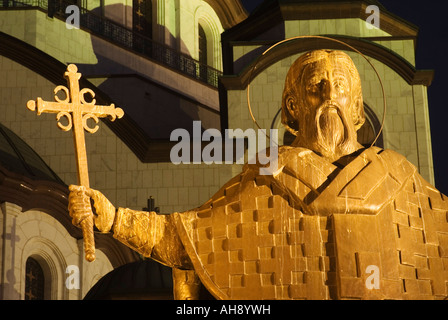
{"points": [[124, 37]]}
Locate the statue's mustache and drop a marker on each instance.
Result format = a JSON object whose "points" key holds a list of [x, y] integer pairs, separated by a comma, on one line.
{"points": [[328, 105]]}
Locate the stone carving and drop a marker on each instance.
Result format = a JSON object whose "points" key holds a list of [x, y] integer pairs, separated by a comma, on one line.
{"points": [[337, 221]]}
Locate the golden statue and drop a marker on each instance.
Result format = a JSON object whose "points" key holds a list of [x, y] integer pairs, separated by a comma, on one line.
{"points": [[337, 221]]}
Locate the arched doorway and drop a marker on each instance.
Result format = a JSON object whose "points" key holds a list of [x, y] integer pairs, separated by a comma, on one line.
{"points": [[141, 280], [34, 280]]}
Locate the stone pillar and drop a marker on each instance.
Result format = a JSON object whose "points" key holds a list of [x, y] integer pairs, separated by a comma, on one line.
{"points": [[9, 269]]}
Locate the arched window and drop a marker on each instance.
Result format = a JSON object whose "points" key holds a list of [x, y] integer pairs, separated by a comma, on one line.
{"points": [[34, 281], [203, 51], [142, 17], [142, 26], [208, 29]]}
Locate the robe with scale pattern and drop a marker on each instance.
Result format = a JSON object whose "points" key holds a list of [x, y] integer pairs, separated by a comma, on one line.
{"points": [[370, 229]]}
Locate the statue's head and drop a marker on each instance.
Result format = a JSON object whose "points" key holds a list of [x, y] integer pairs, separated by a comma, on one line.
{"points": [[322, 103]]}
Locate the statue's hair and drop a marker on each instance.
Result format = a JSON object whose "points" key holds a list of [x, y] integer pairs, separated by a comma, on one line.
{"points": [[293, 81]]}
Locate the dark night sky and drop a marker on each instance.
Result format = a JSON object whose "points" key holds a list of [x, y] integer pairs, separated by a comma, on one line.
{"points": [[432, 49]]}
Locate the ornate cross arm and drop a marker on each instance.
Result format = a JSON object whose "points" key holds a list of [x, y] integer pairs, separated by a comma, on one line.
{"points": [[77, 111]]}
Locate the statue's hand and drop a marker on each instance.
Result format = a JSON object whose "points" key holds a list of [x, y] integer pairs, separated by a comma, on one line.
{"points": [[79, 201]]}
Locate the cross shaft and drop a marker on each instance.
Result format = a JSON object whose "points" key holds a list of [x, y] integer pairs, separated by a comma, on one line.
{"points": [[77, 111]]}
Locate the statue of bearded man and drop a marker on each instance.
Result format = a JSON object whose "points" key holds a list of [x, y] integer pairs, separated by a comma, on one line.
{"points": [[336, 221]]}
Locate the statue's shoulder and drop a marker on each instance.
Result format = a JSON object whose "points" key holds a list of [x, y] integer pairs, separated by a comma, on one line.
{"points": [[389, 155], [286, 154], [389, 162], [399, 167], [396, 164]]}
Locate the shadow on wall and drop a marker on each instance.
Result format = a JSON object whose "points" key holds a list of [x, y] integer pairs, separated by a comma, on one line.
{"points": [[156, 109], [7, 290]]}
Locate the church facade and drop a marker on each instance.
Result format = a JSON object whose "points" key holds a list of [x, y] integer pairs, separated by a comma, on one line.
{"points": [[167, 63]]}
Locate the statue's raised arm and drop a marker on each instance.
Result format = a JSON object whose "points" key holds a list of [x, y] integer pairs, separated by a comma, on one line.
{"points": [[150, 234]]}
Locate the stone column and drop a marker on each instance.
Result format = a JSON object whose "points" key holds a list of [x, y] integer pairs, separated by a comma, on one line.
{"points": [[9, 269], [424, 145]]}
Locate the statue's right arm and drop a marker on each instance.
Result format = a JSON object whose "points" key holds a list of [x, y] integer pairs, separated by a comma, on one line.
{"points": [[152, 235]]}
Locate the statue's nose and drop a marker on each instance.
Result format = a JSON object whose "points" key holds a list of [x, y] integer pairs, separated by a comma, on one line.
{"points": [[329, 91]]}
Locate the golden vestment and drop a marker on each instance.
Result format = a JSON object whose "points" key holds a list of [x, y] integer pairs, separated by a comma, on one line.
{"points": [[311, 231]]}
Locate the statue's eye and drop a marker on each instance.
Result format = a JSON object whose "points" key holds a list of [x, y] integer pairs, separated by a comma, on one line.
{"points": [[340, 86], [315, 86]]}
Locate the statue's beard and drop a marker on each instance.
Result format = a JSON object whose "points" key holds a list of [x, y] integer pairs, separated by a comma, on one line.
{"points": [[331, 132], [330, 126]]}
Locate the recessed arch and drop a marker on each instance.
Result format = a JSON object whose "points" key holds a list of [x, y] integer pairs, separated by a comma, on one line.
{"points": [[230, 12], [35, 286], [206, 18], [47, 241], [53, 264]]}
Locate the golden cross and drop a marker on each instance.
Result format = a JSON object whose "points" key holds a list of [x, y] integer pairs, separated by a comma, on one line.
{"points": [[139, 27], [78, 111], [30, 295], [30, 275]]}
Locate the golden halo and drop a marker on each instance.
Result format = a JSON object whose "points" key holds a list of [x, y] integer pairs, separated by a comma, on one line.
{"points": [[326, 38]]}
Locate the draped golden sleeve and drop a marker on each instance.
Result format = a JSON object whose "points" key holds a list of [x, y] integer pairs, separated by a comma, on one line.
{"points": [[152, 235]]}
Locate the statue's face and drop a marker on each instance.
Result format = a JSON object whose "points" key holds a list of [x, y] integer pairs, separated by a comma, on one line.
{"points": [[324, 106], [326, 82]]}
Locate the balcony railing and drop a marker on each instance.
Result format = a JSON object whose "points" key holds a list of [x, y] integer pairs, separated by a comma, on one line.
{"points": [[124, 37]]}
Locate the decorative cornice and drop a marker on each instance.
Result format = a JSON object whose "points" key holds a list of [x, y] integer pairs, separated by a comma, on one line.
{"points": [[368, 48], [279, 11], [390, 23]]}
